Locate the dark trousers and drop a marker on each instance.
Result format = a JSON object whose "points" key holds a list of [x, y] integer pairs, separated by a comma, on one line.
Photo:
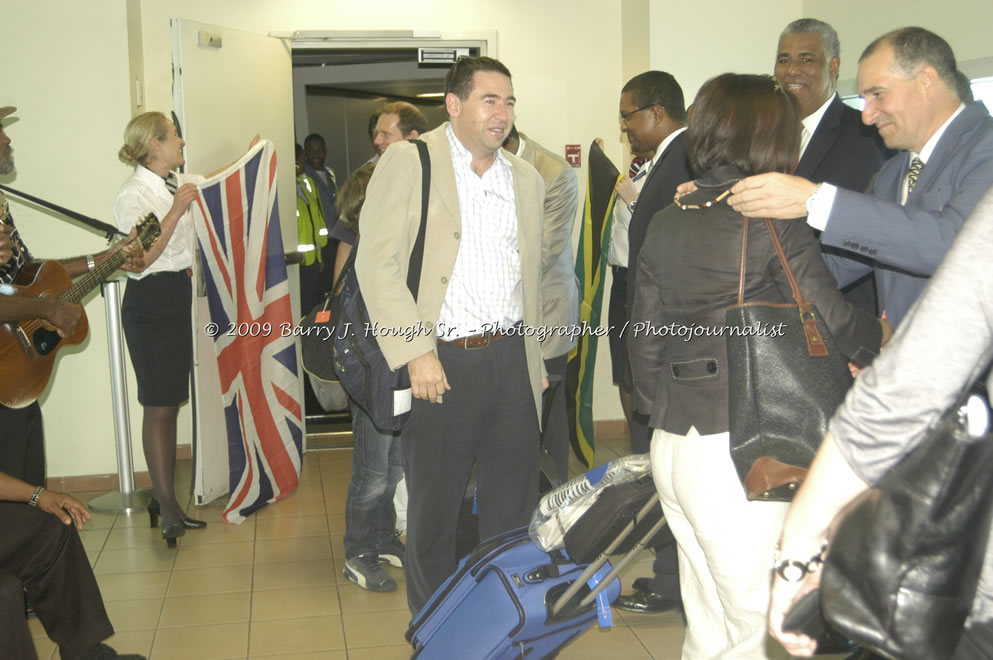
{"points": [[488, 418], [22, 444], [555, 434], [48, 559]]}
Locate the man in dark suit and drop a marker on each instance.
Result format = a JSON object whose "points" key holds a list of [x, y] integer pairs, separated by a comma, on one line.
{"points": [[921, 197], [653, 117], [836, 147]]}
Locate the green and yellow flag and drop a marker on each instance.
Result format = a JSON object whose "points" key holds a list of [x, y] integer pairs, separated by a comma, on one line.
{"points": [[591, 264]]}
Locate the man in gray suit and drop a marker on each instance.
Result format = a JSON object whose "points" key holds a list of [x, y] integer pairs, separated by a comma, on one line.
{"points": [[921, 197], [559, 286], [475, 365]]}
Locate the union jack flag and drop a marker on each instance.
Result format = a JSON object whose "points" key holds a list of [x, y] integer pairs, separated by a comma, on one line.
{"points": [[244, 271]]}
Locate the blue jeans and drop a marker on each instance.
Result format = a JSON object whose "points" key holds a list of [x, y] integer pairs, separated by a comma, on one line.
{"points": [[377, 467]]}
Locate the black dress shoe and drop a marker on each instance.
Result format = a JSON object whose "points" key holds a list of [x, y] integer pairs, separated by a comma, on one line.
{"points": [[104, 652], [173, 532], [643, 585], [643, 603], [154, 511]]}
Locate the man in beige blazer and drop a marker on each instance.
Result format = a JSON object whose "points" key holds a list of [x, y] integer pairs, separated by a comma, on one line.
{"points": [[559, 285], [469, 341]]}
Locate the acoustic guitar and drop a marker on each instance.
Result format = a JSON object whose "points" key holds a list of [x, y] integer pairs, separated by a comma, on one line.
{"points": [[28, 348]]}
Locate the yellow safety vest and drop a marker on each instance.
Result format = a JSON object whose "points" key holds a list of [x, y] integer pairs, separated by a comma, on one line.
{"points": [[312, 231]]}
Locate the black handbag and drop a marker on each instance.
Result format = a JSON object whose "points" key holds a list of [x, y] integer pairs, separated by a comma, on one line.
{"points": [[786, 377], [383, 393], [315, 341], [905, 560]]}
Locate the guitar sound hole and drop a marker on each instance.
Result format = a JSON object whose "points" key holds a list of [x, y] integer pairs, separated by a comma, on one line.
{"points": [[45, 341]]}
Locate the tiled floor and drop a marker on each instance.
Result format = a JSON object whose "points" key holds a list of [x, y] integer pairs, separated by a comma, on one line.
{"points": [[273, 586]]}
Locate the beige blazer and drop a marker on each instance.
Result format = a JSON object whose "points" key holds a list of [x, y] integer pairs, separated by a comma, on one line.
{"points": [[389, 221], [559, 285]]}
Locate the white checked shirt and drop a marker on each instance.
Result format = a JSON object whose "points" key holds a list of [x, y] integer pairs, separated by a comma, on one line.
{"points": [[485, 287]]}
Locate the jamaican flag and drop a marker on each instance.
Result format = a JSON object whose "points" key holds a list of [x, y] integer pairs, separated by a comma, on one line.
{"points": [[591, 263]]}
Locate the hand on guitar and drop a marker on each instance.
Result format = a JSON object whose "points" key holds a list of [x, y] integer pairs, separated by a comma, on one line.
{"points": [[132, 248], [65, 316], [6, 244]]}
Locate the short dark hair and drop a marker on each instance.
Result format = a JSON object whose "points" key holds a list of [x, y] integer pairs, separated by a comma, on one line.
{"points": [[657, 88], [744, 120], [829, 37], [458, 80], [299, 151], [314, 137], [964, 87], [915, 48], [373, 120], [410, 118]]}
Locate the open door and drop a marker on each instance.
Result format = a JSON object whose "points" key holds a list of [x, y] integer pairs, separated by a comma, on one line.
{"points": [[228, 86]]}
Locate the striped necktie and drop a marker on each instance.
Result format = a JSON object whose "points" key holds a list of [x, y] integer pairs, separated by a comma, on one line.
{"points": [[172, 182], [914, 173]]}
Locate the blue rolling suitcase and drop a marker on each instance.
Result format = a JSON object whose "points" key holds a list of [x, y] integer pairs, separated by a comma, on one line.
{"points": [[499, 603]]}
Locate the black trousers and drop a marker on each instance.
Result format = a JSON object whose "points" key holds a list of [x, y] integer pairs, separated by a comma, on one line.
{"points": [[22, 444], [47, 558], [488, 418], [555, 434]]}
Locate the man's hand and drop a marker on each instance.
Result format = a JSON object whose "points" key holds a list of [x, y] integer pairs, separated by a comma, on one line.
{"points": [[625, 190], [427, 378], [784, 596], [64, 507], [6, 244], [65, 316], [772, 195], [132, 248], [684, 189]]}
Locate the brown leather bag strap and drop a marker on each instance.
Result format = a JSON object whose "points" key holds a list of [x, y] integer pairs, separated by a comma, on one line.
{"points": [[744, 258], [815, 342], [797, 293]]}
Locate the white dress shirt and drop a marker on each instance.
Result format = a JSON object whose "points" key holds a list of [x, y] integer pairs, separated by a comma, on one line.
{"points": [[811, 122], [146, 192], [819, 206], [484, 292], [617, 251]]}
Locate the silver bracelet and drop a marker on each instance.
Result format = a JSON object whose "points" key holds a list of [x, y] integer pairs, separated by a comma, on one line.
{"points": [[35, 495], [90, 262], [794, 570]]}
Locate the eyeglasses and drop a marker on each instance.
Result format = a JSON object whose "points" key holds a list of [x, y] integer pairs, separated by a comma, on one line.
{"points": [[626, 116]]}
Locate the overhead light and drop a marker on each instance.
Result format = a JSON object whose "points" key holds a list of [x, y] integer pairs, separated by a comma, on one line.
{"points": [[430, 95]]}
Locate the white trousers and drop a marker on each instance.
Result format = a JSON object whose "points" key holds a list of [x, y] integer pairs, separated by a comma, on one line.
{"points": [[725, 547]]}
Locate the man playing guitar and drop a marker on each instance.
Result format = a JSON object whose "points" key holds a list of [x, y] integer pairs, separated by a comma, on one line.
{"points": [[22, 451]]}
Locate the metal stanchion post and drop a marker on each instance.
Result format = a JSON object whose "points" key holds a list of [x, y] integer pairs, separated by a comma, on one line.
{"points": [[126, 499]]}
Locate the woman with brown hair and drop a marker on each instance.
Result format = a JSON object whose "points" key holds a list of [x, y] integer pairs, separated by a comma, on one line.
{"points": [[687, 276]]}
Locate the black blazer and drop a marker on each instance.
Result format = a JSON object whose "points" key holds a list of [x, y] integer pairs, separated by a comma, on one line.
{"points": [[843, 151], [687, 275], [672, 169]]}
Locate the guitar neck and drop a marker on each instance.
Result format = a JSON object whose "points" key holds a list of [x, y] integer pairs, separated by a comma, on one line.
{"points": [[80, 287]]}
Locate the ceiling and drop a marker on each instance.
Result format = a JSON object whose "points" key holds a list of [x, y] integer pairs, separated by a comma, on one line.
{"points": [[391, 72]]}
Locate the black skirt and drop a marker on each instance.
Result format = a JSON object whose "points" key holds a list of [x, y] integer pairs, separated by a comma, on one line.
{"points": [[157, 316]]}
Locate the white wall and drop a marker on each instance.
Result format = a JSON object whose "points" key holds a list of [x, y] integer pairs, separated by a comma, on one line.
{"points": [[65, 67], [697, 42], [962, 23]]}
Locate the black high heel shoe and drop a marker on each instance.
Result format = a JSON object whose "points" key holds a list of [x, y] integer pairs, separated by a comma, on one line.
{"points": [[173, 532], [153, 517]]}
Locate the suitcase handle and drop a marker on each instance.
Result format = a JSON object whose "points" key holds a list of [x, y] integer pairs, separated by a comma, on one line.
{"points": [[510, 592], [602, 559]]}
